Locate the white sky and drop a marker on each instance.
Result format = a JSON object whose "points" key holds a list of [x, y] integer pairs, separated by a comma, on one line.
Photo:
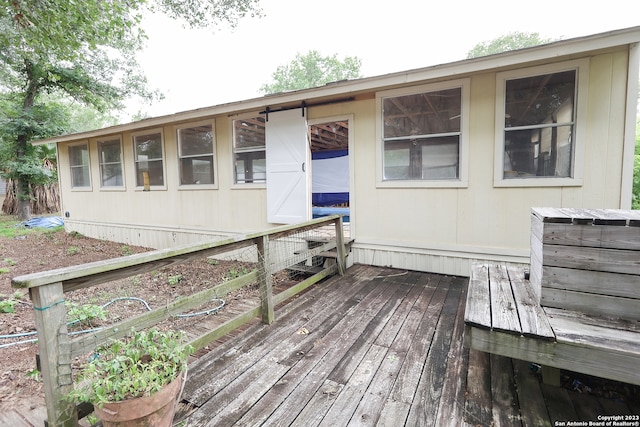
{"points": [[200, 68]]}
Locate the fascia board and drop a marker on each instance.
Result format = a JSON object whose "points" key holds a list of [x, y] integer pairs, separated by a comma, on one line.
{"points": [[555, 50]]}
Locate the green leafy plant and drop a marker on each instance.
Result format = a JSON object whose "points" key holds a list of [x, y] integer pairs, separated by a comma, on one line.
{"points": [[7, 306], [85, 314], [72, 250], [235, 273], [10, 261], [212, 261], [135, 366], [126, 250], [174, 280], [4, 270], [34, 374]]}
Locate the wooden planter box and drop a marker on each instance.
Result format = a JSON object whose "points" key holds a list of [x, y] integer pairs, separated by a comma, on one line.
{"points": [[587, 260]]}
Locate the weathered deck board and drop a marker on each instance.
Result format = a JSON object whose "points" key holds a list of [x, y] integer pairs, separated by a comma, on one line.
{"points": [[506, 318], [559, 403], [478, 298], [454, 390], [503, 392], [532, 322], [533, 409], [479, 386], [381, 347]]}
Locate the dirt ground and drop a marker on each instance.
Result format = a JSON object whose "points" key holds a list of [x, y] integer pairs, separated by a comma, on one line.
{"points": [[20, 384]]}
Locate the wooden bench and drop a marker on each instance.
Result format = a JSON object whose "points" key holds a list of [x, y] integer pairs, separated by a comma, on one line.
{"points": [[580, 310]]}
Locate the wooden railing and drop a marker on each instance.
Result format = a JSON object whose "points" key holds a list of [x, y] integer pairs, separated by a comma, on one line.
{"points": [[47, 289]]}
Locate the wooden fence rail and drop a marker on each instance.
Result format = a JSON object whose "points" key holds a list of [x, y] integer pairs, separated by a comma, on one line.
{"points": [[47, 289]]}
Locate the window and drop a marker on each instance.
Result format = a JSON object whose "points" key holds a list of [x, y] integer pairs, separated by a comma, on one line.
{"points": [[110, 158], [149, 159], [249, 150], [422, 135], [195, 151], [79, 161], [538, 125]]}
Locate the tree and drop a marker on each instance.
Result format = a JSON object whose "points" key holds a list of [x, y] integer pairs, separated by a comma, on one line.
{"points": [[84, 51], [40, 163], [511, 41], [312, 70]]}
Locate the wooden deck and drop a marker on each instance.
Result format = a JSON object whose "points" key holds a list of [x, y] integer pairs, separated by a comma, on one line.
{"points": [[376, 347]]}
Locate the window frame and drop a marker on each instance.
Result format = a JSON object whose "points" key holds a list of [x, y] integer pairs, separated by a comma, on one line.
{"points": [[99, 142], [244, 185], [581, 68], [463, 148], [89, 187], [214, 157], [135, 159]]}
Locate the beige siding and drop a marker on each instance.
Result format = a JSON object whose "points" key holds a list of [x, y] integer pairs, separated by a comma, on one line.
{"points": [[432, 229]]}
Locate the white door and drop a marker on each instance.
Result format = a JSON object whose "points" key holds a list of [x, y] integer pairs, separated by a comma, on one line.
{"points": [[288, 168]]}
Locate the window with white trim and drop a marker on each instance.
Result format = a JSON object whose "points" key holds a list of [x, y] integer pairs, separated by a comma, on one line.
{"points": [[195, 152], [422, 135], [79, 162], [149, 158], [537, 118], [249, 150], [110, 160]]}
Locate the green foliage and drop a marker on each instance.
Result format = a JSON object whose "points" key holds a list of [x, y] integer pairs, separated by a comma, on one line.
{"points": [[58, 55], [34, 374], [312, 70], [72, 250], [11, 228], [126, 250], [199, 14], [174, 280], [85, 314], [6, 306], [135, 366], [511, 41], [234, 273], [10, 261]]}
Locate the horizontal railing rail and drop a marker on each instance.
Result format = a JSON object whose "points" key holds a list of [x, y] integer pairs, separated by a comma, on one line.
{"points": [[57, 349]]}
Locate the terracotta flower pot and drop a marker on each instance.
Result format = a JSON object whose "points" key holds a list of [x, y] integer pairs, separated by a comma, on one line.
{"points": [[156, 410]]}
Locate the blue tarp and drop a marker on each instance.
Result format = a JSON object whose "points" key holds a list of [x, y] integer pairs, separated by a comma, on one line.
{"points": [[44, 222], [330, 177]]}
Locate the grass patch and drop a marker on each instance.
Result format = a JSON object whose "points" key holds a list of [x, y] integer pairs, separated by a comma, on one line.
{"points": [[10, 228]]}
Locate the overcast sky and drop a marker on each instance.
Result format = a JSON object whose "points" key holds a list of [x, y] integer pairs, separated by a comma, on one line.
{"points": [[200, 68]]}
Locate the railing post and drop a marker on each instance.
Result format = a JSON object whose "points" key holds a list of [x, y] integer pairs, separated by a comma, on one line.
{"points": [[342, 267], [266, 284], [55, 353]]}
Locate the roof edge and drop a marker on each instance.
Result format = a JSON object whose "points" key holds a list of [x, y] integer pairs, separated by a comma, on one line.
{"points": [[556, 49]]}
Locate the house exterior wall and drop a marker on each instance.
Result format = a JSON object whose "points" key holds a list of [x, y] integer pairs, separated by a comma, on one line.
{"points": [[423, 228]]}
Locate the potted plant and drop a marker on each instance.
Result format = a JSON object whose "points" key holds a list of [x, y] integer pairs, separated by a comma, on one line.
{"points": [[135, 381]]}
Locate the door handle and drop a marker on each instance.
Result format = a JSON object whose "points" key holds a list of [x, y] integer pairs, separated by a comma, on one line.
{"points": [[304, 167]]}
